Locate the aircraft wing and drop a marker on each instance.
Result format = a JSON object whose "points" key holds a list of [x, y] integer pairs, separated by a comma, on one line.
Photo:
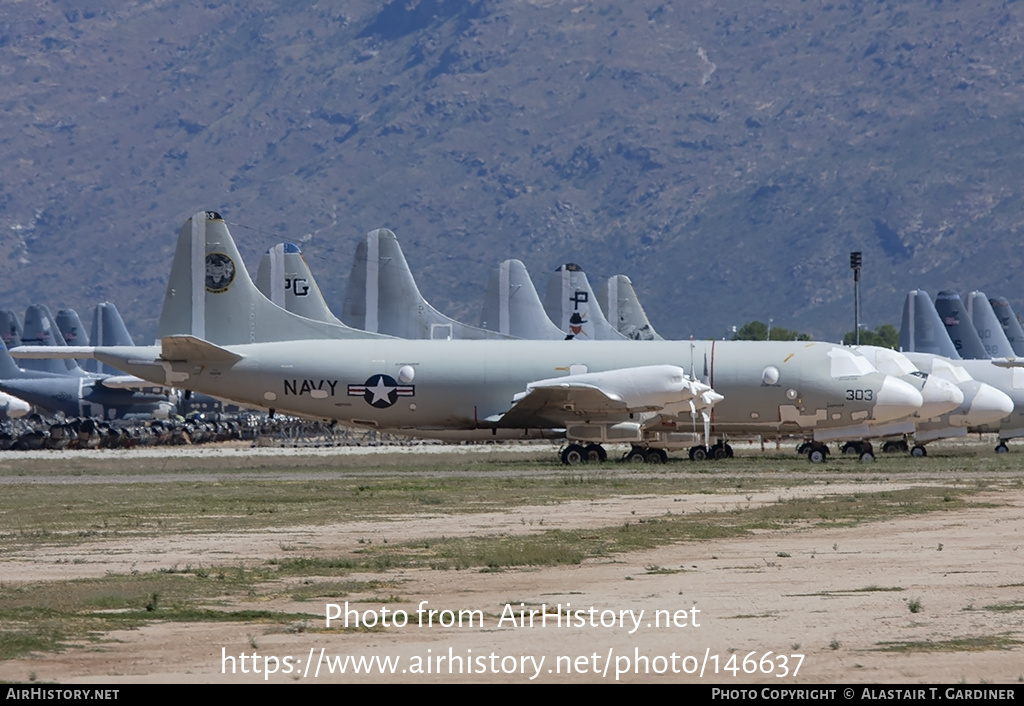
{"points": [[608, 396]]}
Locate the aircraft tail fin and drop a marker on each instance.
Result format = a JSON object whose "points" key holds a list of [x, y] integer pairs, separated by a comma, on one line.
{"points": [[211, 296], [513, 307], [1007, 319], [41, 330], [10, 328], [382, 296], [108, 329], [622, 307], [922, 330], [284, 278], [988, 326], [959, 326], [73, 333], [9, 370], [570, 303]]}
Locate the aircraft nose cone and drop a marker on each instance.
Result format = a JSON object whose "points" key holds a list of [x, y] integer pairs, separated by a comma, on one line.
{"points": [[14, 406], [895, 400], [940, 396], [988, 406]]}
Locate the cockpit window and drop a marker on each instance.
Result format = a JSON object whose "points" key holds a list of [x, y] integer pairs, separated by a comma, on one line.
{"points": [[846, 364]]}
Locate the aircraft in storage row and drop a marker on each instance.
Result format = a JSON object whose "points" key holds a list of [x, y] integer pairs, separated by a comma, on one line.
{"points": [[220, 336]]}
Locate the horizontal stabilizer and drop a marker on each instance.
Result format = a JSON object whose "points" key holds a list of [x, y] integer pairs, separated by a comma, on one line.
{"points": [[192, 349], [126, 382], [49, 352]]}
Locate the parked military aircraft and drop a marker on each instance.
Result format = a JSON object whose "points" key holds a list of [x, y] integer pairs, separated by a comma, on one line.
{"points": [[285, 279], [77, 395], [621, 305], [382, 296], [1010, 324], [513, 307], [12, 407], [924, 332], [653, 396], [988, 327], [571, 303]]}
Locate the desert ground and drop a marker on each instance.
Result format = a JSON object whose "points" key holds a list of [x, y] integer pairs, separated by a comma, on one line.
{"points": [[221, 565]]}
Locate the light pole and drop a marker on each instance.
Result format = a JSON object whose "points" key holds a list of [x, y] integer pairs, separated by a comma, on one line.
{"points": [[770, 322], [855, 261]]}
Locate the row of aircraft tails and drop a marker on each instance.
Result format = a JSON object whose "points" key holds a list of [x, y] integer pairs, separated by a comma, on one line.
{"points": [[551, 368], [79, 388]]}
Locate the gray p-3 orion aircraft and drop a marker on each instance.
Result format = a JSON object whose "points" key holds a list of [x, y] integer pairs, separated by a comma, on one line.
{"points": [[220, 336]]}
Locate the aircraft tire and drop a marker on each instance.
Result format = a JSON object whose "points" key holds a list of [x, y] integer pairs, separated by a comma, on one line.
{"points": [[656, 456], [816, 456], [573, 455], [804, 448], [595, 453], [698, 453], [718, 452], [636, 455], [1002, 448], [891, 447], [867, 457], [728, 451], [919, 451], [852, 448]]}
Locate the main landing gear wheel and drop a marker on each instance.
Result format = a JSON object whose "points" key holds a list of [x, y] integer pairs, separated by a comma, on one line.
{"points": [[699, 453], [817, 453], [720, 451], [918, 451], [573, 455], [892, 447], [852, 448], [867, 452], [595, 453], [636, 455], [656, 456], [1002, 448]]}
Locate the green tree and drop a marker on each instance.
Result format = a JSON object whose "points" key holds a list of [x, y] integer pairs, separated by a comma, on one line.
{"points": [[885, 336], [758, 331]]}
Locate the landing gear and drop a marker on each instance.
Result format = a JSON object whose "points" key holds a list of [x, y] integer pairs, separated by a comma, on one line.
{"points": [[720, 451], [1002, 448], [636, 455], [919, 451], [639, 454], [893, 447], [699, 453], [852, 448], [867, 452], [656, 456], [817, 452], [573, 455], [595, 453]]}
